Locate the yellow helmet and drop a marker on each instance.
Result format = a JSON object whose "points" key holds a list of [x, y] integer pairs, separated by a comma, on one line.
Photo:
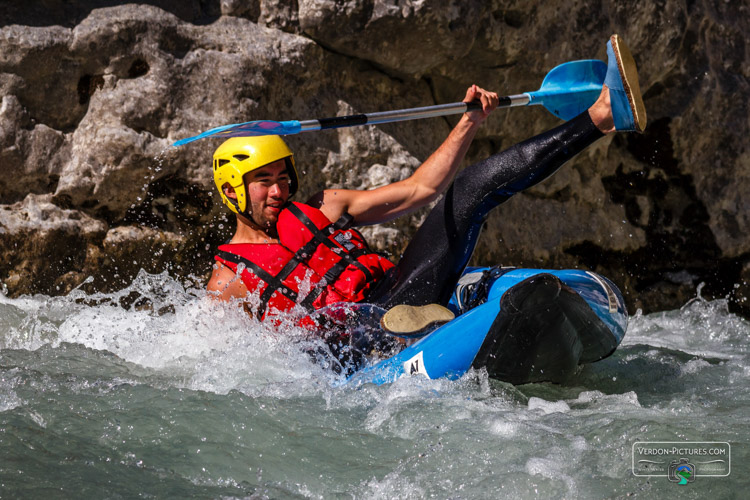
{"points": [[240, 155]]}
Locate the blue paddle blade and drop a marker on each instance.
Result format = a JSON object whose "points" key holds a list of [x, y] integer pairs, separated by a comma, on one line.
{"points": [[571, 88], [247, 129]]}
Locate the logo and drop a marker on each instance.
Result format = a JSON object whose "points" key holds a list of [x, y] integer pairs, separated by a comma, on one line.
{"points": [[344, 239], [681, 471], [682, 462]]}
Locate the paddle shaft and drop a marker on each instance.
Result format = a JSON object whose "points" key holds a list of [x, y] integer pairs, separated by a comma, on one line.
{"points": [[567, 91], [400, 115]]}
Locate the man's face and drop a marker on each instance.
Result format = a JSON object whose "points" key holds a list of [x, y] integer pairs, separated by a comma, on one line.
{"points": [[267, 192]]}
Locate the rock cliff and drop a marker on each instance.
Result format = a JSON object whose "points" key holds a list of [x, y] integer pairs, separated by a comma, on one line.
{"points": [[94, 93]]}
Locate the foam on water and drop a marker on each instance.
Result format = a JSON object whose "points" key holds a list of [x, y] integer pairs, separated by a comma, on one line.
{"points": [[165, 392], [182, 333], [700, 327]]}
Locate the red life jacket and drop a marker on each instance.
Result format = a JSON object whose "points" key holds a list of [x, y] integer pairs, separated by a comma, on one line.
{"points": [[316, 263]]}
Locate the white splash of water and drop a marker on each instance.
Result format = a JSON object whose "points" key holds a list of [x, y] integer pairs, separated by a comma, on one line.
{"points": [[156, 323]]}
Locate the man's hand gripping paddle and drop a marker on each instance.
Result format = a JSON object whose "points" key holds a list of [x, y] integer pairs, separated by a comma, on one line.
{"points": [[567, 91]]}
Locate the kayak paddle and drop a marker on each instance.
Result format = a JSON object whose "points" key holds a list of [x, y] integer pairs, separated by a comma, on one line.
{"points": [[567, 91]]}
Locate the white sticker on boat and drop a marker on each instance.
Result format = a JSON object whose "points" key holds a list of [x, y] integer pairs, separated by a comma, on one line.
{"points": [[415, 366]]}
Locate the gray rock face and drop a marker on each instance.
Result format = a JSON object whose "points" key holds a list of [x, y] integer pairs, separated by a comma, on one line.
{"points": [[93, 95], [375, 30]]}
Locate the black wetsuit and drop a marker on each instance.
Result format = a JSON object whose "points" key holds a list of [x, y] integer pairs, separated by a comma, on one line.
{"points": [[440, 250]]}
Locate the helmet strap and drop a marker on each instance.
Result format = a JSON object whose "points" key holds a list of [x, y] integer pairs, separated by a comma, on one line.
{"points": [[235, 203]]}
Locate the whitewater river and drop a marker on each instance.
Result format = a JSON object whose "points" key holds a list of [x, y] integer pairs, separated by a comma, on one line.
{"points": [[155, 392]]}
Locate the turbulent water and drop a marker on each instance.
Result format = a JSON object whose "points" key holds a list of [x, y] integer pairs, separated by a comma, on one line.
{"points": [[154, 391]]}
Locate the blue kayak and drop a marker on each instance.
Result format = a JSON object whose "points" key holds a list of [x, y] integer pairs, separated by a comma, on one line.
{"points": [[521, 325]]}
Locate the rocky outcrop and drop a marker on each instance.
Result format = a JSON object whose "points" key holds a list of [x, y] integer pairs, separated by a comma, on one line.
{"points": [[93, 95]]}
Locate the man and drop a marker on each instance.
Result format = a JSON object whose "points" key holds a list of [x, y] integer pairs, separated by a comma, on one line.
{"points": [[293, 254]]}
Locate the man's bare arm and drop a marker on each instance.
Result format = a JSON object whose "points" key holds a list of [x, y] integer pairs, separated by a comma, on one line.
{"points": [[225, 285], [428, 182]]}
